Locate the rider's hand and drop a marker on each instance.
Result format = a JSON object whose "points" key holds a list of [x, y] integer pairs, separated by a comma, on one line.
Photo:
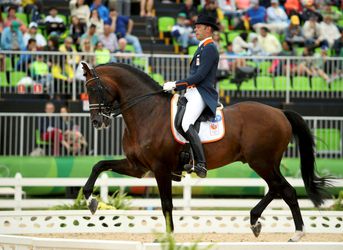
{"points": [[168, 86]]}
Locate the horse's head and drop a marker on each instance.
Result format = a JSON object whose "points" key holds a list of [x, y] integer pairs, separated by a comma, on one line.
{"points": [[101, 99]]}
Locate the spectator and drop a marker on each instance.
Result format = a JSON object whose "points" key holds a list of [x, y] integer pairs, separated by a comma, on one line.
{"points": [[313, 33], [233, 63], [11, 16], [183, 33], [189, 9], [292, 7], [326, 10], [25, 59], [217, 42], [304, 67], [255, 48], [32, 33], [1, 22], [50, 131], [277, 18], [99, 23], [279, 66], [39, 71], [81, 10], [318, 67], [256, 15], [122, 6], [243, 4], [12, 37], [146, 7], [77, 29], [68, 46], [102, 55], [109, 39], [73, 141], [268, 42], [102, 10], [86, 46], [122, 26], [338, 45], [122, 49], [294, 34], [329, 30], [54, 24], [52, 44], [91, 35], [240, 44], [310, 9], [211, 9]]}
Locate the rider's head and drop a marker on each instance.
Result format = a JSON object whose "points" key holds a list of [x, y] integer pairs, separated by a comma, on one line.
{"points": [[204, 27]]}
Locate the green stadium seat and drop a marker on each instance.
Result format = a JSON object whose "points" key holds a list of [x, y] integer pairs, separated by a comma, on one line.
{"points": [[319, 84], [22, 17], [299, 51], [165, 23], [248, 85], [130, 48], [192, 49], [328, 140], [16, 76], [301, 83], [64, 18], [280, 83], [225, 24], [3, 79], [337, 85], [227, 85], [232, 34], [39, 141], [265, 83], [223, 40], [158, 78], [264, 67]]}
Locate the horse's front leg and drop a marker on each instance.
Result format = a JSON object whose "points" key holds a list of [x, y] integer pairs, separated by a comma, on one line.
{"points": [[164, 182], [118, 166]]}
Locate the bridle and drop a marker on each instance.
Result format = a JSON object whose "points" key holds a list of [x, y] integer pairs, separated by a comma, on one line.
{"points": [[104, 107]]}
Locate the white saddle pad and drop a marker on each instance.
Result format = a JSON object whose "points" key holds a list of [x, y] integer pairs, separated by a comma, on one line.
{"points": [[210, 131]]}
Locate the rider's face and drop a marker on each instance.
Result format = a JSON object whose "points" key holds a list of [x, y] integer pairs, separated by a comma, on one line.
{"points": [[202, 31]]}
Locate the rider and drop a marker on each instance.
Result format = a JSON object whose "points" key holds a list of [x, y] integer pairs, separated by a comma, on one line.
{"points": [[200, 93]]}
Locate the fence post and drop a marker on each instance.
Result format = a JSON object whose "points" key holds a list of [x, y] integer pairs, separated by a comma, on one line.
{"points": [[21, 150], [74, 79], [187, 192], [18, 192], [104, 188], [288, 85]]}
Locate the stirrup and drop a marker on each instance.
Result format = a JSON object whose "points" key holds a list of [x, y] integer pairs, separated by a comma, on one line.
{"points": [[199, 169]]}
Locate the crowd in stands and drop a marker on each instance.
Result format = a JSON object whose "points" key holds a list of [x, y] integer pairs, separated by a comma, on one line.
{"points": [[261, 27]]}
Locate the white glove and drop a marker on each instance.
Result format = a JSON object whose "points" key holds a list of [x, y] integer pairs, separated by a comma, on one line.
{"points": [[168, 86]]}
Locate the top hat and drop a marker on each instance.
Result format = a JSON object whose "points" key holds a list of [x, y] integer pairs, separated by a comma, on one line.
{"points": [[207, 20]]}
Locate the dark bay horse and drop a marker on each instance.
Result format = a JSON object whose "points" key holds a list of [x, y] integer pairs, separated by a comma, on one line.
{"points": [[255, 134]]}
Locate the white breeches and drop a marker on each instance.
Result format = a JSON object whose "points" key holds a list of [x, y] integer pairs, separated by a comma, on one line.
{"points": [[194, 107]]}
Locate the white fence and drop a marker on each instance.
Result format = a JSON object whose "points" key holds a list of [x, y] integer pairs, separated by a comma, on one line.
{"points": [[276, 77], [21, 135], [14, 188]]}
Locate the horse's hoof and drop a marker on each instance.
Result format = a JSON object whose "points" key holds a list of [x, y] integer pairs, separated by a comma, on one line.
{"points": [[256, 229], [93, 206], [297, 236]]}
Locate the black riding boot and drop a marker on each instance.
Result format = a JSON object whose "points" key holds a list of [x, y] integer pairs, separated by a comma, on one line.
{"points": [[200, 163]]}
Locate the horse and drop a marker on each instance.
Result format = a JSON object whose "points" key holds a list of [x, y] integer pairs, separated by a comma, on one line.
{"points": [[256, 134]]}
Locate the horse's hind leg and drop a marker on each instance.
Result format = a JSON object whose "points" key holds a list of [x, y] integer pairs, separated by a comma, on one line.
{"points": [[118, 166], [288, 194]]}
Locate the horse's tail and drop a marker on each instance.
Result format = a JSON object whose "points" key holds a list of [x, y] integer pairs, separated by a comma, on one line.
{"points": [[315, 186]]}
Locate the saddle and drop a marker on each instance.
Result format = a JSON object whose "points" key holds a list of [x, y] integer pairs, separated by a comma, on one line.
{"points": [[209, 128]]}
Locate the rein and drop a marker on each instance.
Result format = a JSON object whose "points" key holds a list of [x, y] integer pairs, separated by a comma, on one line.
{"points": [[117, 109]]}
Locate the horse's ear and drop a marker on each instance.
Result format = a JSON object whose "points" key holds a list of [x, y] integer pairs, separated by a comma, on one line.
{"points": [[85, 67]]}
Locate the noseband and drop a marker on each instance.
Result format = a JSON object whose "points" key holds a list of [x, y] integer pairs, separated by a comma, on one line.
{"points": [[104, 107]]}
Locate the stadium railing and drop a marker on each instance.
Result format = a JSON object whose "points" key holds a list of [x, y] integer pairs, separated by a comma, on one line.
{"points": [[21, 135], [273, 77]]}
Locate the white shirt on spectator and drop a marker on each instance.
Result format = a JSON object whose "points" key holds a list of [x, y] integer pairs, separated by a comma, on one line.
{"points": [[40, 39], [269, 44], [330, 32], [51, 19], [239, 46]]}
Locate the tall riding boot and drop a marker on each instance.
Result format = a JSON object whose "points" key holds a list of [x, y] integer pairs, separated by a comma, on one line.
{"points": [[200, 163]]}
